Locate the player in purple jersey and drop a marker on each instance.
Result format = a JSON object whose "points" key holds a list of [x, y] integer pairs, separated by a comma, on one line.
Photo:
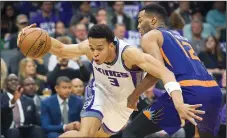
{"points": [[198, 87]]}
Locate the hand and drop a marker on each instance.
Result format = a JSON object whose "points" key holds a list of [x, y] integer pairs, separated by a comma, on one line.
{"points": [[188, 112], [78, 61], [132, 101], [72, 126], [17, 94], [76, 125], [23, 31], [69, 134]]}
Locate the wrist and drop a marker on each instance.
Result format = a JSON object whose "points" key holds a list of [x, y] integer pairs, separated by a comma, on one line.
{"points": [[171, 87], [177, 99]]}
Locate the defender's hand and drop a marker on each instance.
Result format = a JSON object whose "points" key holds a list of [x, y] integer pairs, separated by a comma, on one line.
{"points": [[188, 112], [132, 101]]}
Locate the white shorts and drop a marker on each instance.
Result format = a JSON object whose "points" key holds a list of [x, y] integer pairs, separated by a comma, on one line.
{"points": [[114, 116]]}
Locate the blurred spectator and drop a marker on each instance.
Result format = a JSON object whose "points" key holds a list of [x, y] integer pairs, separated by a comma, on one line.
{"points": [[79, 32], [9, 16], [207, 30], [6, 117], [65, 8], [180, 16], [4, 73], [224, 80], [31, 8], [28, 69], [119, 31], [101, 16], [84, 15], [212, 57], [217, 16], [62, 69], [119, 16], [21, 22], [78, 88], [61, 112], [46, 19], [73, 63], [13, 66], [197, 41], [25, 121], [30, 90], [60, 29]]}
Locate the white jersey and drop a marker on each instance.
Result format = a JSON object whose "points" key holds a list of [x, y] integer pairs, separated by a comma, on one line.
{"points": [[107, 93], [115, 79]]}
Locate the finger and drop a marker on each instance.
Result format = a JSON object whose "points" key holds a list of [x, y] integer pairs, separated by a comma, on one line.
{"points": [[195, 116], [192, 120], [197, 111], [195, 106], [182, 122], [28, 27]]}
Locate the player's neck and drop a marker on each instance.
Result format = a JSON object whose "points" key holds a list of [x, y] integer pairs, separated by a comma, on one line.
{"points": [[161, 25], [112, 56]]}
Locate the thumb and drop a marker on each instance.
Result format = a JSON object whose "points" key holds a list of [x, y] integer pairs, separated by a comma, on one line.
{"points": [[182, 122]]}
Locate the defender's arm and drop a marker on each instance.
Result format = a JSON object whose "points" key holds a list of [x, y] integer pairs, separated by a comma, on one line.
{"points": [[156, 69]]}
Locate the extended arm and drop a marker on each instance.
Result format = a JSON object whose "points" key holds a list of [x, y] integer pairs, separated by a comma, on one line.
{"points": [[154, 68], [62, 50], [70, 51]]}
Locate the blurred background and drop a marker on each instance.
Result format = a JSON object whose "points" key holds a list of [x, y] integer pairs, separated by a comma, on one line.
{"points": [[202, 23]]}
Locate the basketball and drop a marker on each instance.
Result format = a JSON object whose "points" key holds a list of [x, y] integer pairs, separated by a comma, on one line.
{"points": [[34, 43]]}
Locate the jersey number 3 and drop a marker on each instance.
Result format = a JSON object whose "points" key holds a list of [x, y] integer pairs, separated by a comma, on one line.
{"points": [[191, 52], [114, 81]]}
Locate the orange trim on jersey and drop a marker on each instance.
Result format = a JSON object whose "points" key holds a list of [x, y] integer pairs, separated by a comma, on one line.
{"points": [[182, 48], [164, 56], [210, 83]]}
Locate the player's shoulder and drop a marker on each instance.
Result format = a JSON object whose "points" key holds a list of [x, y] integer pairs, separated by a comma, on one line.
{"points": [[130, 51], [152, 35]]}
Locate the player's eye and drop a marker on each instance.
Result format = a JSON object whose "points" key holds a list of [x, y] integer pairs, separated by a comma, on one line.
{"points": [[92, 49], [99, 49]]}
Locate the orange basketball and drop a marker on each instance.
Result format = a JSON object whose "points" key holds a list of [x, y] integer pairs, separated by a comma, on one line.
{"points": [[35, 43]]}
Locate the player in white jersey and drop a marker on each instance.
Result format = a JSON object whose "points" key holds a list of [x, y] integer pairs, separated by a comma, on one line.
{"points": [[116, 72]]}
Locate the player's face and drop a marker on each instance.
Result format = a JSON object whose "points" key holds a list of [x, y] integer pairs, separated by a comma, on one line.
{"points": [[100, 49], [144, 22], [64, 89]]}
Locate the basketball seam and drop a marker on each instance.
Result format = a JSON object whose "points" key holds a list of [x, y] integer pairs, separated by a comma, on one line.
{"points": [[33, 43], [44, 46], [26, 36]]}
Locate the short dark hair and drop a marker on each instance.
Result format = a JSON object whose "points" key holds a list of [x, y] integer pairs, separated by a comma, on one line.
{"points": [[101, 31], [156, 9], [62, 79]]}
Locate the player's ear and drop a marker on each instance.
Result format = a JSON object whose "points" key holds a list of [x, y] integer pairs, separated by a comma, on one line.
{"points": [[153, 20], [111, 44]]}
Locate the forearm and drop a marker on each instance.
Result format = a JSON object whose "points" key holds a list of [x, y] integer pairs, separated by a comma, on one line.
{"points": [[64, 51], [145, 84]]}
